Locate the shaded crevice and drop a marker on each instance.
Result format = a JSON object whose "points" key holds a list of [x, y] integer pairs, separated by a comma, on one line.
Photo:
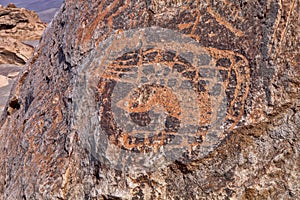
{"points": [[6, 26], [28, 100], [12, 58]]}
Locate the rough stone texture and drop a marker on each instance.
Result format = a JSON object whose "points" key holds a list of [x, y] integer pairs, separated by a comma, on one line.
{"points": [[20, 31], [44, 150]]}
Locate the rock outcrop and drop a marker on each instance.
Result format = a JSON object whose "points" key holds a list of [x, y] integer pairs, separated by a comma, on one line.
{"points": [[46, 9], [20, 31], [158, 100], [18, 25]]}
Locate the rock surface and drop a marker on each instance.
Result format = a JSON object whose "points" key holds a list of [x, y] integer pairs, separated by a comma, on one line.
{"points": [[65, 134], [20, 31]]}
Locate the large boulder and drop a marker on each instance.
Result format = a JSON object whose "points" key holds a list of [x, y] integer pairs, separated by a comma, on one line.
{"points": [[158, 99]]}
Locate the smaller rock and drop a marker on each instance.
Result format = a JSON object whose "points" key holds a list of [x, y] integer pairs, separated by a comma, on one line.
{"points": [[13, 75], [20, 24], [31, 43], [11, 5]]}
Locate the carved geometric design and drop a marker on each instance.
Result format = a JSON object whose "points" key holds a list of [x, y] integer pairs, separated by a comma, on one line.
{"points": [[158, 93]]}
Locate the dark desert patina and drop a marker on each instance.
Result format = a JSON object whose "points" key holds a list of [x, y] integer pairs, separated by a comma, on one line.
{"points": [[158, 99]]}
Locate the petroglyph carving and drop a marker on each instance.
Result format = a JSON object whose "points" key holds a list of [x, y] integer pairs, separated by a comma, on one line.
{"points": [[157, 90]]}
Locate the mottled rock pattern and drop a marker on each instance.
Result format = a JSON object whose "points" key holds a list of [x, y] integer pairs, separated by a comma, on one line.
{"points": [[44, 150]]}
